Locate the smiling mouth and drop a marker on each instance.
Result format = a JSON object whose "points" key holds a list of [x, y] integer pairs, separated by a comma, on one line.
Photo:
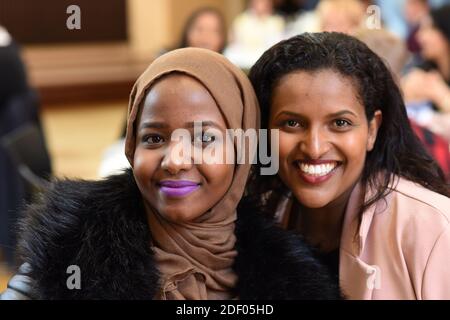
{"points": [[315, 172], [318, 170]]}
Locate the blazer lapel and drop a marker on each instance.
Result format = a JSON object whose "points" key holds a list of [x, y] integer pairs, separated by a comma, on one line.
{"points": [[357, 278]]}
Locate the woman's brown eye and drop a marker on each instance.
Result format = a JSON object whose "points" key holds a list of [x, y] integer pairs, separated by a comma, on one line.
{"points": [[292, 123], [156, 139], [206, 138], [153, 139], [341, 123]]}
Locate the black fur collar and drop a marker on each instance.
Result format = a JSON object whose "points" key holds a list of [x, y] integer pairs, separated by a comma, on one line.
{"points": [[100, 227]]}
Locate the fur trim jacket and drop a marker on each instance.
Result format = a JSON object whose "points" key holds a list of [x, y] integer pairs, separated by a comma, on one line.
{"points": [[100, 227]]}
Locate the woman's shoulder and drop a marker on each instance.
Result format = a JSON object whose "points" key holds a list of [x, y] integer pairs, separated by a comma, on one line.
{"points": [[422, 219], [411, 197], [415, 214], [66, 202], [408, 235]]}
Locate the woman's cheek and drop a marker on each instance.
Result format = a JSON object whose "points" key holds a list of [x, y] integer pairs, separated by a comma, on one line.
{"points": [[217, 174], [145, 164], [287, 144], [354, 146]]}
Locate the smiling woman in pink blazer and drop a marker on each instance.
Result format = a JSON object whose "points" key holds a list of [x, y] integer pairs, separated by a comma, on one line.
{"points": [[353, 178]]}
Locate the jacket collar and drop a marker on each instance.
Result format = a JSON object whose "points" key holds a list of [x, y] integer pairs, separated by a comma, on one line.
{"points": [[355, 274]]}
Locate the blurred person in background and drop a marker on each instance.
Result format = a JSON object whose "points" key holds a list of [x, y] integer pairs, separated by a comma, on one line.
{"points": [[253, 32], [18, 107], [344, 16], [415, 11], [394, 14], [289, 9], [427, 88], [206, 29], [13, 77], [330, 15], [434, 39], [395, 54]]}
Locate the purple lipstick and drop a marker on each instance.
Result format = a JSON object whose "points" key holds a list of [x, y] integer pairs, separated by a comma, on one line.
{"points": [[178, 188]]}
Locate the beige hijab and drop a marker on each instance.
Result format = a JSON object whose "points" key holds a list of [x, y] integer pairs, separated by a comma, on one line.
{"points": [[195, 259]]}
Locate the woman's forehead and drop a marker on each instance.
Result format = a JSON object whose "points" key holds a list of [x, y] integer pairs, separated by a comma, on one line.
{"points": [[180, 99]]}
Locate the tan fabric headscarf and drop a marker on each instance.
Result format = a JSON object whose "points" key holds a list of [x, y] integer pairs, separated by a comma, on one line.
{"points": [[196, 258]]}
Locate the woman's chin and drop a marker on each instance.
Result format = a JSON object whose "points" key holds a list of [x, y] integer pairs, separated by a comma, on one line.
{"points": [[311, 201], [177, 214]]}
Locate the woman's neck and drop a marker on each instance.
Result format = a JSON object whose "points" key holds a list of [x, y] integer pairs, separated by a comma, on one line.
{"points": [[322, 227]]}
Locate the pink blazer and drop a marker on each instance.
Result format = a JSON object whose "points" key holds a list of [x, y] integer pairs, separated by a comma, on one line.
{"points": [[402, 248]]}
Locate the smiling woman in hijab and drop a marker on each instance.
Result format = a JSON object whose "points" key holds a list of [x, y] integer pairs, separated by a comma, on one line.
{"points": [[166, 229]]}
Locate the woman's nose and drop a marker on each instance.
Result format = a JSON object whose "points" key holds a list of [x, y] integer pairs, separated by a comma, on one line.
{"points": [[314, 144], [177, 157]]}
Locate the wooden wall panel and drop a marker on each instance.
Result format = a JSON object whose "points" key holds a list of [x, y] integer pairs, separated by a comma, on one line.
{"points": [[44, 21]]}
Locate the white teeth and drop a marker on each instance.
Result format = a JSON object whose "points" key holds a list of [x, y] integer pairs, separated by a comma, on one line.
{"points": [[317, 170]]}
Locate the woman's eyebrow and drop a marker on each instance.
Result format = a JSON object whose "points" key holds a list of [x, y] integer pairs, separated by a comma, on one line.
{"points": [[289, 114], [298, 115], [153, 125], [208, 123], [342, 113]]}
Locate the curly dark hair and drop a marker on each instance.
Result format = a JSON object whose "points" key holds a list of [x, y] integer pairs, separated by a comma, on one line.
{"points": [[397, 151]]}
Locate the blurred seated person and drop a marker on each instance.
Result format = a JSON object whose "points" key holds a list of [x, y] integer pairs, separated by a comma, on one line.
{"points": [[253, 32], [291, 8], [427, 88], [414, 12], [395, 54], [12, 77], [344, 16], [205, 28], [18, 106], [330, 15]]}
